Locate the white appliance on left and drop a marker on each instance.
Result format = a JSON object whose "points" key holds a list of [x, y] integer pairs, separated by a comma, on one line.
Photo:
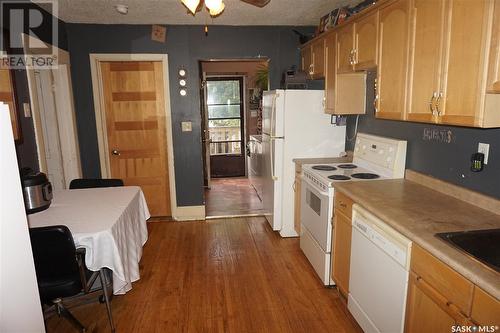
{"points": [[294, 125]]}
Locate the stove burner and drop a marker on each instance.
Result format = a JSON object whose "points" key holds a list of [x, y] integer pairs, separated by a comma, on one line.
{"points": [[324, 167], [365, 175], [347, 166], [339, 177]]}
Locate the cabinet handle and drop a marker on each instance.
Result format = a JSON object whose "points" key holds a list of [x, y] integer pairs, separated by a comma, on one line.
{"points": [[343, 205], [438, 100], [351, 57], [431, 103], [375, 103], [354, 56], [311, 69]]}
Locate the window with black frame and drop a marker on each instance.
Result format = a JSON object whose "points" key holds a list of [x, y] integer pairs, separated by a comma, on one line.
{"points": [[225, 116]]}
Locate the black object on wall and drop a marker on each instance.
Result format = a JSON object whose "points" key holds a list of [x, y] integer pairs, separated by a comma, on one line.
{"points": [[442, 152], [185, 46]]}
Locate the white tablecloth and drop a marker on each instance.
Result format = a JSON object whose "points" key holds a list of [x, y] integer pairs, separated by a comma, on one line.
{"points": [[110, 223]]}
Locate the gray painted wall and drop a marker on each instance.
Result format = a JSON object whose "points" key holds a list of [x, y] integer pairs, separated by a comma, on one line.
{"points": [[185, 45], [436, 157]]}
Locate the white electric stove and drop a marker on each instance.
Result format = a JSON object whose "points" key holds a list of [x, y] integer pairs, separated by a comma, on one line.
{"points": [[375, 158]]}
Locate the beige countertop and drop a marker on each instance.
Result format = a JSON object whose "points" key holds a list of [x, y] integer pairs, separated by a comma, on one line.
{"points": [[418, 212], [323, 160]]}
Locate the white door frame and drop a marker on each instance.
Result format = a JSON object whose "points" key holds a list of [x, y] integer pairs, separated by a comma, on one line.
{"points": [[70, 150], [100, 118]]}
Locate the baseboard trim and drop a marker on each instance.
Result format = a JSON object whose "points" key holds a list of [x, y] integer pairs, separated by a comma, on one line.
{"points": [[189, 213]]}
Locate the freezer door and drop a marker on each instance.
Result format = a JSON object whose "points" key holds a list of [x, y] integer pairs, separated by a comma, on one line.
{"points": [[273, 110]]}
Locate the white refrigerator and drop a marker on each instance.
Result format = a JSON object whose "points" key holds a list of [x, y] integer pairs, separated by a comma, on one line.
{"points": [[294, 125]]}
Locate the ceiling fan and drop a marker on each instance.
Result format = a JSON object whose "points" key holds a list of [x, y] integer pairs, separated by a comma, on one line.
{"points": [[216, 7]]}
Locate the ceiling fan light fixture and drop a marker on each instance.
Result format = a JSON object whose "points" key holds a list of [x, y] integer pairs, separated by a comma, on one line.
{"points": [[192, 5], [218, 10], [213, 4]]}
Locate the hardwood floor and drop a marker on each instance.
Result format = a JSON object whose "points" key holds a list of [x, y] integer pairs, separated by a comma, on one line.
{"points": [[231, 197], [226, 275]]}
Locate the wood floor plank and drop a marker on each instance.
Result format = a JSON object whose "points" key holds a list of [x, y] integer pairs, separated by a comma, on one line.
{"points": [[227, 275]]}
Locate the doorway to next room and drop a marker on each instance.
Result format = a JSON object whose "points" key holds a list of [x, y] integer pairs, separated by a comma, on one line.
{"points": [[231, 94]]}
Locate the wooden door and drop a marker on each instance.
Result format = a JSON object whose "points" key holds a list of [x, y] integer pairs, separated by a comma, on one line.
{"points": [[330, 73], [365, 38], [426, 60], [318, 59], [465, 48], [423, 314], [393, 61], [136, 128], [341, 252], [306, 59], [345, 47]]}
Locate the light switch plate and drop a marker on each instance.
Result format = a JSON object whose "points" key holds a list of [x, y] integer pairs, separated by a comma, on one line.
{"points": [[27, 110], [485, 149], [187, 126]]}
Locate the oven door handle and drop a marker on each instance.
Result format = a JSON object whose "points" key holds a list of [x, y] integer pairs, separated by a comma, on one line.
{"points": [[307, 181]]}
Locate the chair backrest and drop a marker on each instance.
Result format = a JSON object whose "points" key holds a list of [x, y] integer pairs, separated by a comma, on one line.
{"points": [[54, 253], [92, 183]]}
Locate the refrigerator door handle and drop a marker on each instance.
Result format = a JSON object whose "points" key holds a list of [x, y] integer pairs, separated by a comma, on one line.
{"points": [[271, 160]]}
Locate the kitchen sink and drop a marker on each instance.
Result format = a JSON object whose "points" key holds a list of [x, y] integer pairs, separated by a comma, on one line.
{"points": [[483, 245]]}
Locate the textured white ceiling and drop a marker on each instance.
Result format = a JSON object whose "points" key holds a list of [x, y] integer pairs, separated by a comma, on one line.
{"points": [[277, 12]]}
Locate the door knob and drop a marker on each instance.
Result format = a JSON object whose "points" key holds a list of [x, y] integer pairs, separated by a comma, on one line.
{"points": [[115, 152]]}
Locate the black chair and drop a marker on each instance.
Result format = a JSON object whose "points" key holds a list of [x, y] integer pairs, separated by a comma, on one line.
{"points": [[61, 272], [92, 183]]}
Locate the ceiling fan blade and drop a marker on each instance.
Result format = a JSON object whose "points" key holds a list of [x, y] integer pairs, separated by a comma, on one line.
{"points": [[258, 3]]}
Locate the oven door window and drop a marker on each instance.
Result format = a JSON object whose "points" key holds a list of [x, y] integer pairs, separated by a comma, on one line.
{"points": [[314, 202]]}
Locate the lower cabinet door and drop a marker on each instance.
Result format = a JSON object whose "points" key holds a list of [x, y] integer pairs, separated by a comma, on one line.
{"points": [[423, 313], [341, 252]]}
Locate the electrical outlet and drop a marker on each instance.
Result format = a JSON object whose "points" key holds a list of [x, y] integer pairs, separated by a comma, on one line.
{"points": [[186, 126], [485, 149]]}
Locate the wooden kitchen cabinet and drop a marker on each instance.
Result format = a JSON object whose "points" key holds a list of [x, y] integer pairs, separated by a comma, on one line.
{"points": [[462, 90], [318, 59], [393, 36], [330, 73], [438, 297], [296, 206], [426, 60], [365, 42], [485, 309], [306, 59], [426, 310], [345, 49], [493, 84], [341, 242], [341, 251], [448, 66]]}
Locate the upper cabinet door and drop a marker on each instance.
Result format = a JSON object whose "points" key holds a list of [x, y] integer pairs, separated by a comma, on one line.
{"points": [[318, 59], [365, 38], [345, 49], [426, 60], [493, 85], [306, 59], [462, 89], [393, 61], [330, 73]]}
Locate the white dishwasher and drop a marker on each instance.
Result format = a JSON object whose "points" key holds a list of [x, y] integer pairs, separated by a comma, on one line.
{"points": [[378, 282]]}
